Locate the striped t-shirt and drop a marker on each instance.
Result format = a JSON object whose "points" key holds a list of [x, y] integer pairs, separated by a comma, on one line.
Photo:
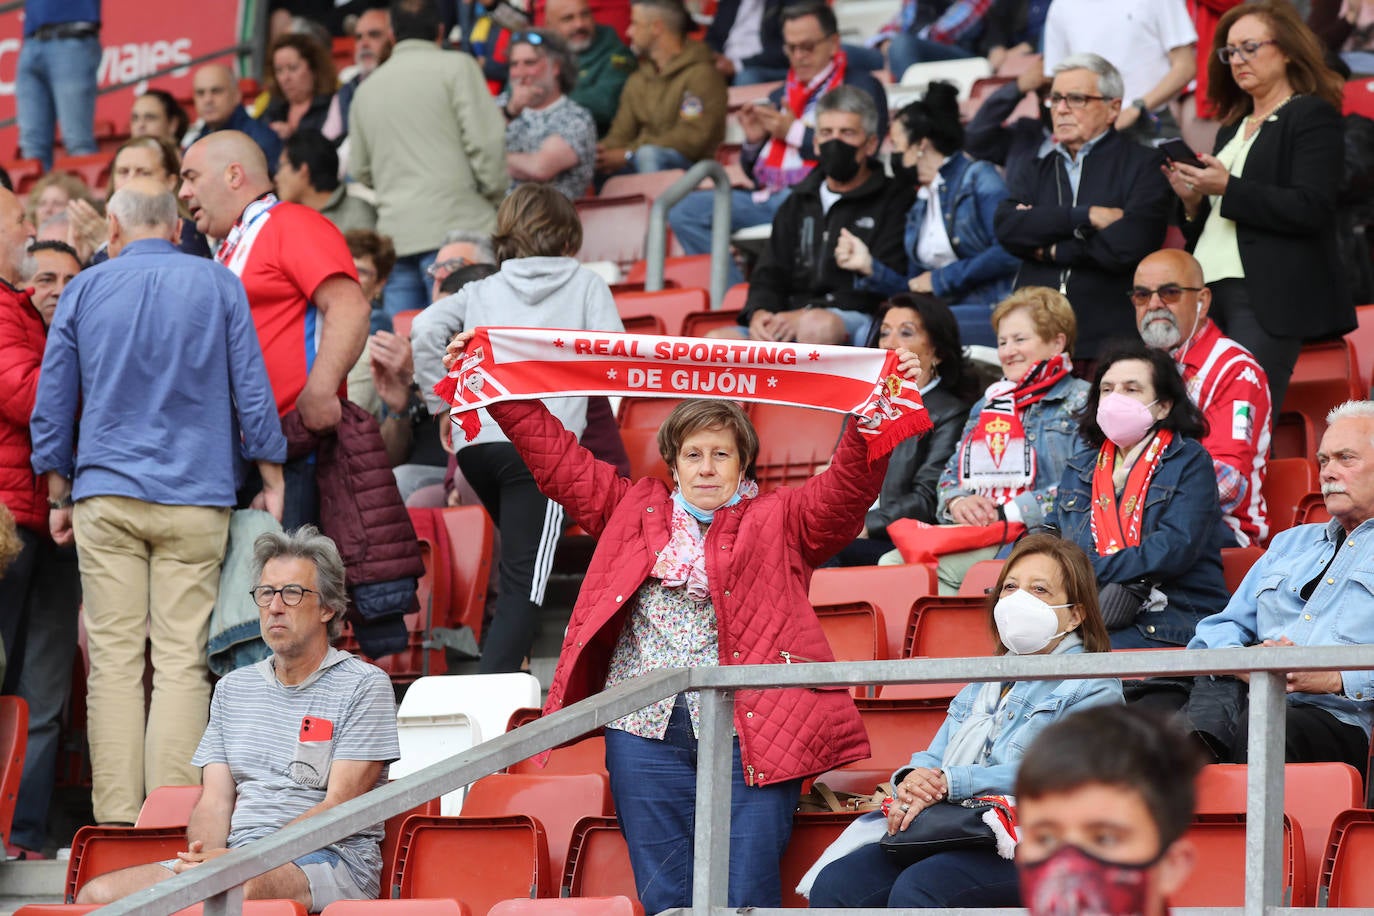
{"points": [[256, 728]]}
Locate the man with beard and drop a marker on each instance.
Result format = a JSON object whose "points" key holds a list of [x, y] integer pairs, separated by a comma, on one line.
{"points": [[1223, 379], [603, 61], [374, 41], [549, 137]]}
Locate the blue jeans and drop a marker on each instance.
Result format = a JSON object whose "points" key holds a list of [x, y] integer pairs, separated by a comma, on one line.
{"points": [[872, 877], [691, 219], [56, 84], [649, 158], [863, 58], [654, 784], [751, 76], [906, 49], [409, 285]]}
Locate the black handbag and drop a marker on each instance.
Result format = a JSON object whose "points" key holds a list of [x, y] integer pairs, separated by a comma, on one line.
{"points": [[944, 826]]}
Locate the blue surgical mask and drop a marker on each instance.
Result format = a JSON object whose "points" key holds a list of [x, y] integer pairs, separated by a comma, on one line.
{"points": [[704, 515]]}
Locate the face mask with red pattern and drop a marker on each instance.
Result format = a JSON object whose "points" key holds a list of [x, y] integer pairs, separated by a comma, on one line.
{"points": [[1072, 882]]}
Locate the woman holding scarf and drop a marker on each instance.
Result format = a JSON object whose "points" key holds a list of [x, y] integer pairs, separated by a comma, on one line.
{"points": [[1020, 436], [1141, 500]]}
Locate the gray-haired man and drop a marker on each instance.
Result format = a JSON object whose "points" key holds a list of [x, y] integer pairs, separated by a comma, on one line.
{"points": [[305, 729]]}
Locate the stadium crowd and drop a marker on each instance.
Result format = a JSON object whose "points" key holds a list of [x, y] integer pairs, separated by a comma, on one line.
{"points": [[1100, 268]]}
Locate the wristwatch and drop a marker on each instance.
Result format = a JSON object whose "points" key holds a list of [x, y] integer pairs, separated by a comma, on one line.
{"points": [[63, 503], [1140, 103]]}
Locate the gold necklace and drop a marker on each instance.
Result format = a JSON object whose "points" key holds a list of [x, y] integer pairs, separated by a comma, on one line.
{"points": [[1254, 119]]}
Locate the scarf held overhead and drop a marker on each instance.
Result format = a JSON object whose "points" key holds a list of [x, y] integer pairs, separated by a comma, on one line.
{"points": [[513, 364]]}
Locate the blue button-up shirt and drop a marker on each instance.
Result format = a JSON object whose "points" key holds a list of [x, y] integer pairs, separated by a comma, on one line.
{"points": [[1074, 164], [157, 352], [1340, 612]]}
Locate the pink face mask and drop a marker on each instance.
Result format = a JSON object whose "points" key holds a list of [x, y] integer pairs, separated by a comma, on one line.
{"points": [[1124, 420], [1072, 882]]}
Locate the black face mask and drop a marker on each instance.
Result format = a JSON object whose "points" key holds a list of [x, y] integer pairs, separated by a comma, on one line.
{"points": [[839, 160], [905, 175]]}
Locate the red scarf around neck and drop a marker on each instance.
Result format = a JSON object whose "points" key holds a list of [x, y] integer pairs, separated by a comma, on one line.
{"points": [[1116, 522], [995, 459], [505, 364], [797, 97]]}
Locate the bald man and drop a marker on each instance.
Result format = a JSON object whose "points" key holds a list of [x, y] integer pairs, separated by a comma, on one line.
{"points": [[219, 106], [153, 487], [1223, 379], [311, 316]]}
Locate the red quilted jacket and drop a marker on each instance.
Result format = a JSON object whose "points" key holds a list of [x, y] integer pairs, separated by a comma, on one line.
{"points": [[22, 336], [760, 554]]}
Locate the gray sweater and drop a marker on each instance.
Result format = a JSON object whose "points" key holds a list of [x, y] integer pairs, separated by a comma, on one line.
{"points": [[529, 293]]}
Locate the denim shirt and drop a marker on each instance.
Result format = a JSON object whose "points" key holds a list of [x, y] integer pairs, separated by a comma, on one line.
{"points": [[1181, 536], [1029, 707], [1053, 434], [985, 271], [1340, 612]]}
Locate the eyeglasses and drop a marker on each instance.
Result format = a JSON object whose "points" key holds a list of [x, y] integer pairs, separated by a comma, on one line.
{"points": [[1169, 294], [1075, 100], [1246, 50], [440, 269], [291, 595], [805, 47]]}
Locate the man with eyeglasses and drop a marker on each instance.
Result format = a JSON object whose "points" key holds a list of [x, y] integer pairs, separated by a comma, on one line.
{"points": [[779, 131], [1223, 379], [157, 354], [305, 729], [460, 249], [1083, 214]]}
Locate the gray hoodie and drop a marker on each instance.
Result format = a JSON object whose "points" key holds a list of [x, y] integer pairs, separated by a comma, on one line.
{"points": [[527, 292]]}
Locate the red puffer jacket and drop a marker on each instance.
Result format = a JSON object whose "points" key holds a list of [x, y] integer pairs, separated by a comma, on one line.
{"points": [[760, 554], [22, 336]]}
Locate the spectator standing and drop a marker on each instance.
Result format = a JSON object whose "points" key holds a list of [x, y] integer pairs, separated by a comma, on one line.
{"points": [[1222, 378], [309, 312], [779, 131], [300, 84], [672, 110], [264, 765], [603, 61], [152, 499], [219, 106], [1152, 44], [40, 659], [429, 139], [798, 291], [549, 137], [55, 83], [373, 42], [308, 173], [1083, 214], [1261, 215], [157, 113], [746, 38]]}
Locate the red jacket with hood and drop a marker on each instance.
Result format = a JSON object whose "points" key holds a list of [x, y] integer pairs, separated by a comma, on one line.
{"points": [[22, 337], [760, 554]]}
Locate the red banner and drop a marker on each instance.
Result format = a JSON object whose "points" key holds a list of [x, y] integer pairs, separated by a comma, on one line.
{"points": [[138, 37]]}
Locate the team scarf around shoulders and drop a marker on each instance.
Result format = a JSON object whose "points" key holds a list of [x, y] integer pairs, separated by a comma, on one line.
{"points": [[799, 96], [1116, 522], [233, 251], [995, 459], [513, 364]]}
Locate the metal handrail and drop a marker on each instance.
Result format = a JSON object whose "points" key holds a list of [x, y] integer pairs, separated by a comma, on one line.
{"points": [[218, 882], [656, 248]]}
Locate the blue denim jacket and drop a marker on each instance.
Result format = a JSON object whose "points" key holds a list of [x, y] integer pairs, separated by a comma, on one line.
{"points": [[1052, 432], [1340, 612], [1181, 538], [985, 271], [1029, 707]]}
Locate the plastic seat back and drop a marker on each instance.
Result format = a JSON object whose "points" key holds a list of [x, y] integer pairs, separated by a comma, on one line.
{"points": [[1218, 878], [391, 840], [250, 908], [98, 850], [735, 297], [648, 184], [613, 228], [950, 626], [981, 578], [1286, 482], [698, 324], [890, 589], [643, 324], [1293, 436], [587, 755], [433, 906], [1346, 878], [599, 861], [401, 322], [685, 270], [1312, 510], [896, 730], [557, 801], [1324, 376], [854, 631], [472, 539], [644, 413], [811, 834], [1362, 344], [1236, 562], [168, 806], [478, 860], [793, 442], [570, 906], [14, 742], [669, 305]]}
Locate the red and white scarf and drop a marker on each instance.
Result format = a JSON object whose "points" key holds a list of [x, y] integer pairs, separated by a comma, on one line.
{"points": [[779, 159], [1116, 522], [995, 459], [513, 364]]}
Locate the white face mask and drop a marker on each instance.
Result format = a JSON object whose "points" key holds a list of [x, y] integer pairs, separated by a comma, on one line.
{"points": [[1025, 623]]}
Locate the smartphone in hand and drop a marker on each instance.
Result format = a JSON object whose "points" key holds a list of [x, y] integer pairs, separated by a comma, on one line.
{"points": [[1178, 151]]}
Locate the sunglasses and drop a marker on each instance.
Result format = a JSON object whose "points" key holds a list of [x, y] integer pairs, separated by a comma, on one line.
{"points": [[1169, 294]]}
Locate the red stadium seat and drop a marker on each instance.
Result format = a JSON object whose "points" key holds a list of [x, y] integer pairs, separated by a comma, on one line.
{"points": [[94, 169], [890, 589], [641, 445], [401, 322], [981, 578], [692, 270], [1312, 510], [1293, 436], [670, 305], [613, 228], [644, 413], [793, 443], [98, 850], [1325, 375], [697, 324], [599, 861], [1346, 878], [558, 802], [1236, 562], [735, 297], [586, 755], [1218, 878], [952, 626], [168, 806], [811, 834], [570, 906], [1362, 344], [1286, 482], [1359, 97], [23, 174], [896, 730], [471, 538], [854, 630], [643, 324], [430, 907], [391, 841], [649, 185], [478, 860], [14, 742]]}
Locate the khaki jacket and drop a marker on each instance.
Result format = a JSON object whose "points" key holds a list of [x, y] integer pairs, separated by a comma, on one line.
{"points": [[681, 107]]}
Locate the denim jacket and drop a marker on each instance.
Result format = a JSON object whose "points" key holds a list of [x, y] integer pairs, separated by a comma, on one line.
{"points": [[1052, 432], [1029, 707], [985, 270], [1340, 612], [1181, 538]]}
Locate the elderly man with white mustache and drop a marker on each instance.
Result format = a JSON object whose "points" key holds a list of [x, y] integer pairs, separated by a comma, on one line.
{"points": [[1311, 588], [1223, 379]]}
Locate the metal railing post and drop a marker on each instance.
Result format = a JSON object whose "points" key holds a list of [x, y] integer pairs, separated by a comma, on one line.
{"points": [[656, 246], [1264, 791], [715, 759], [229, 903]]}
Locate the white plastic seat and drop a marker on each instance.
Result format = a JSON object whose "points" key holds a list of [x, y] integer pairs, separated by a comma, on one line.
{"points": [[962, 73], [428, 739]]}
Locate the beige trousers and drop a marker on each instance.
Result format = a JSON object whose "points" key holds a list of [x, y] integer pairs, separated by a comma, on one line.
{"points": [[148, 571]]}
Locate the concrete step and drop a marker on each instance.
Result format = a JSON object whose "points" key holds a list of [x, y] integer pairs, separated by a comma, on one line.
{"points": [[21, 883]]}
